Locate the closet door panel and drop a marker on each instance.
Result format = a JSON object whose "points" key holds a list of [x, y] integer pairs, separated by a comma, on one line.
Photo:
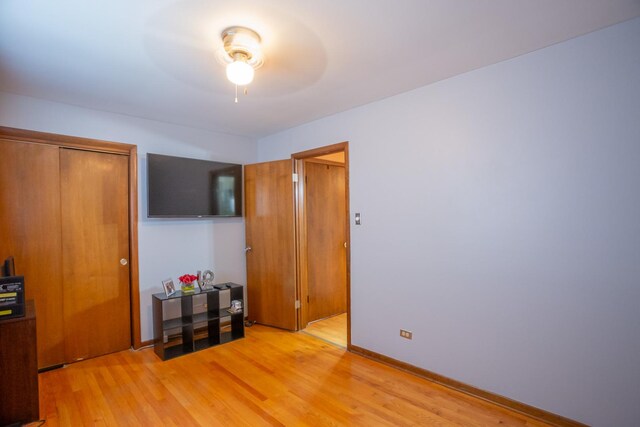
{"points": [[326, 237], [95, 246], [30, 231]]}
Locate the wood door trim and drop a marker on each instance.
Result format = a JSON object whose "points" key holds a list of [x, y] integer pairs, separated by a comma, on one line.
{"points": [[300, 223], [133, 248], [88, 144], [301, 256], [320, 151], [65, 141]]}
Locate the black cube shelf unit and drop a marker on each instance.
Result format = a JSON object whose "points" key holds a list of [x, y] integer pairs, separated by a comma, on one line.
{"points": [[187, 330]]}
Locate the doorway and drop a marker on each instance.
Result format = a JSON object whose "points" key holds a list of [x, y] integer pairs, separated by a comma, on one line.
{"points": [[279, 263], [322, 225]]}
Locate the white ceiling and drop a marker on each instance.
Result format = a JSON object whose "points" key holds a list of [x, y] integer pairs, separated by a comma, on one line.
{"points": [[155, 58]]}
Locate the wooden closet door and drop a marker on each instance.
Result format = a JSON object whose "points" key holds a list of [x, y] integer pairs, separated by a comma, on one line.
{"points": [[30, 231], [95, 238], [326, 237]]}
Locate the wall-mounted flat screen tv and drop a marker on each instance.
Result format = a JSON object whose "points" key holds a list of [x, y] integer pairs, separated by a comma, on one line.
{"points": [[179, 187]]}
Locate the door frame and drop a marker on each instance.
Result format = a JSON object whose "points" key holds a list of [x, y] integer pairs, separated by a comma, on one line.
{"points": [[129, 150], [301, 229]]}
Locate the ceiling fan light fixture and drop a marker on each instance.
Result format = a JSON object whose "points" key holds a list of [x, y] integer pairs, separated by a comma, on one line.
{"points": [[242, 54], [239, 71]]}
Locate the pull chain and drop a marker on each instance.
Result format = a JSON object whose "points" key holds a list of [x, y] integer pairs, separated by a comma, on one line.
{"points": [[244, 91]]}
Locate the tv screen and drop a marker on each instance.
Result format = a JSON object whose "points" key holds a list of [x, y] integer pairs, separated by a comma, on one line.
{"points": [[179, 187]]}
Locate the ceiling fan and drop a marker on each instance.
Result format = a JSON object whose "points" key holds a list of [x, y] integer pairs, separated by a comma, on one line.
{"points": [[242, 54]]}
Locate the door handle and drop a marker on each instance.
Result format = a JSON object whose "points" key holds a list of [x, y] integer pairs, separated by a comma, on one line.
{"points": [[247, 249], [345, 244], [123, 261]]}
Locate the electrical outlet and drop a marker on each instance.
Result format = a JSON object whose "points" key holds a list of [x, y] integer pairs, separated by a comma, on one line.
{"points": [[406, 334]]}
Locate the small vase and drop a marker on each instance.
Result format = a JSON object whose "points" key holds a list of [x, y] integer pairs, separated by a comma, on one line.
{"points": [[188, 287]]}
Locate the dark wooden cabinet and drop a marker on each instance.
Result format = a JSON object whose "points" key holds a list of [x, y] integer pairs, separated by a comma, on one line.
{"points": [[188, 322], [19, 402]]}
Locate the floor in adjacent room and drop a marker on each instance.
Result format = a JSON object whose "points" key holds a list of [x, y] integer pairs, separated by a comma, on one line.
{"points": [[332, 329], [271, 377]]}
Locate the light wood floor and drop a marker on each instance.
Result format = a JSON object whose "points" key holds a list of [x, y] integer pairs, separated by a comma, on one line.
{"points": [[271, 377], [332, 329]]}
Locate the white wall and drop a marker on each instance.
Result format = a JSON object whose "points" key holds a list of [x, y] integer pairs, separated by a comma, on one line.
{"points": [[501, 224], [167, 247]]}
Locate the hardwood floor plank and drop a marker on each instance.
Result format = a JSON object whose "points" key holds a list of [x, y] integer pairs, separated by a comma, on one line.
{"points": [[270, 378]]}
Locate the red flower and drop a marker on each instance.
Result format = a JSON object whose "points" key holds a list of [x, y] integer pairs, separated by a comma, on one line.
{"points": [[187, 278]]}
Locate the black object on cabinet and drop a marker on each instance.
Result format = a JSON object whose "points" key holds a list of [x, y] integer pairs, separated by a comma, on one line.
{"points": [[182, 327]]}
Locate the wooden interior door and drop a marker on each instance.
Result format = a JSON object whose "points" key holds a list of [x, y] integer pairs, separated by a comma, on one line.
{"points": [[325, 210], [270, 233], [30, 231], [95, 247]]}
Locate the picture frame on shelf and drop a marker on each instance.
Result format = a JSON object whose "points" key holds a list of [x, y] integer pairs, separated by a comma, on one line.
{"points": [[169, 287]]}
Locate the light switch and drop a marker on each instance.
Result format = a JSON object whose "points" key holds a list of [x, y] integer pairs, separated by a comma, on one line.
{"points": [[357, 218]]}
